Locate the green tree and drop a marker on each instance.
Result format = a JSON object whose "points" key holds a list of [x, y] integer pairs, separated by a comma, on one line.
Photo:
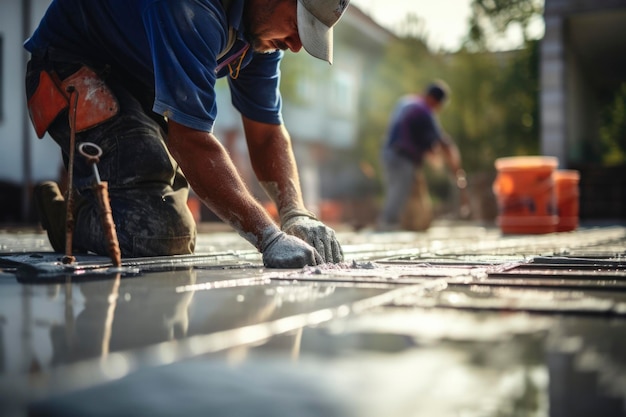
{"points": [[493, 17], [494, 108], [613, 129]]}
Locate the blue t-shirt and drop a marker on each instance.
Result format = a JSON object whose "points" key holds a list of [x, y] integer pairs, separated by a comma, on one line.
{"points": [[171, 47], [413, 129]]}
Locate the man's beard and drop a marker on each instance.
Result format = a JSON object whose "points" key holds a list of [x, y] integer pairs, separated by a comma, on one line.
{"points": [[253, 21], [255, 44]]}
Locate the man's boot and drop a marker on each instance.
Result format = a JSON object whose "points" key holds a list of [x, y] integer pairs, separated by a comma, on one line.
{"points": [[50, 205]]}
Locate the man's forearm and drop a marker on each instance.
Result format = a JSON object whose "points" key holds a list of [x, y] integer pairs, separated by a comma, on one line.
{"points": [[275, 166], [214, 178]]}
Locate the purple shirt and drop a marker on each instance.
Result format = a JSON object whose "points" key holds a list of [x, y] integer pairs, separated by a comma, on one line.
{"points": [[413, 130]]}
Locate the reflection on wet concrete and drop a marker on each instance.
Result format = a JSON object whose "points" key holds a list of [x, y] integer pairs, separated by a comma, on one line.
{"points": [[445, 323], [119, 315], [87, 331]]}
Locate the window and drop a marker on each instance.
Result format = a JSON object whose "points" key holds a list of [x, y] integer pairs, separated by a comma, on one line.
{"points": [[305, 87], [343, 94]]}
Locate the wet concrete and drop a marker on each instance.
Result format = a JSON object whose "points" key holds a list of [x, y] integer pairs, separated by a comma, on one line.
{"points": [[458, 321]]}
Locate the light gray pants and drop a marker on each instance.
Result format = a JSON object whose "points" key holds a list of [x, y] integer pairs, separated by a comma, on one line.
{"points": [[399, 176]]}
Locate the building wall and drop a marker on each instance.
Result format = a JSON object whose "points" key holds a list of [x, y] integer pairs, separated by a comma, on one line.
{"points": [[12, 97], [582, 58], [553, 132], [45, 155], [582, 65], [579, 6], [14, 128], [24, 159]]}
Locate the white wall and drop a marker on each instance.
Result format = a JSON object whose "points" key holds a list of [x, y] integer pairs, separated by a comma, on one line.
{"points": [[45, 156]]}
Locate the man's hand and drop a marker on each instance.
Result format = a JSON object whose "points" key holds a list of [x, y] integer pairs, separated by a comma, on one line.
{"points": [[465, 210], [281, 250], [304, 225], [461, 183], [274, 164]]}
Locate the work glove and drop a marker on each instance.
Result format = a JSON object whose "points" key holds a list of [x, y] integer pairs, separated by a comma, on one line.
{"points": [[281, 250], [304, 224]]}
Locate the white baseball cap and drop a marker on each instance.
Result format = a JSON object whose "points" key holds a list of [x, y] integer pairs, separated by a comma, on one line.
{"points": [[316, 19]]}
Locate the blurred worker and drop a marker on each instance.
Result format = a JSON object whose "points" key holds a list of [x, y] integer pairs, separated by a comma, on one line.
{"points": [[144, 74], [413, 133]]}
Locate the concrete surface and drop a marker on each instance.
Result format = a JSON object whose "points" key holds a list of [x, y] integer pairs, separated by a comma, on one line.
{"points": [[457, 321]]}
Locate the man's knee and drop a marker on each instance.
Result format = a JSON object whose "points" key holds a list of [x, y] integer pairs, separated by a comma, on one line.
{"points": [[163, 246], [148, 223]]}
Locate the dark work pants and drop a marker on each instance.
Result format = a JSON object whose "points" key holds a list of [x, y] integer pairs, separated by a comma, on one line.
{"points": [[147, 188]]}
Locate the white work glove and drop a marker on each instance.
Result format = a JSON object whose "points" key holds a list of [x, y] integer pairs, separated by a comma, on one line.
{"points": [[303, 224], [281, 250]]}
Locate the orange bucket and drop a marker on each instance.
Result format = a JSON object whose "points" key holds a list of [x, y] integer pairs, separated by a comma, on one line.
{"points": [[525, 193], [567, 195]]}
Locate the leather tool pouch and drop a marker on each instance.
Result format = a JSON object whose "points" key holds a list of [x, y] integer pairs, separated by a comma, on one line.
{"points": [[96, 103], [46, 103]]}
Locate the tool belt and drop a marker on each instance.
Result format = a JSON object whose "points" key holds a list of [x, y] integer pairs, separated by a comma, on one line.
{"points": [[96, 103]]}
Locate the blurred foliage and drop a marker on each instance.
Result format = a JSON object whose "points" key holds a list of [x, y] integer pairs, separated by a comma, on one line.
{"points": [[613, 129], [493, 17]]}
